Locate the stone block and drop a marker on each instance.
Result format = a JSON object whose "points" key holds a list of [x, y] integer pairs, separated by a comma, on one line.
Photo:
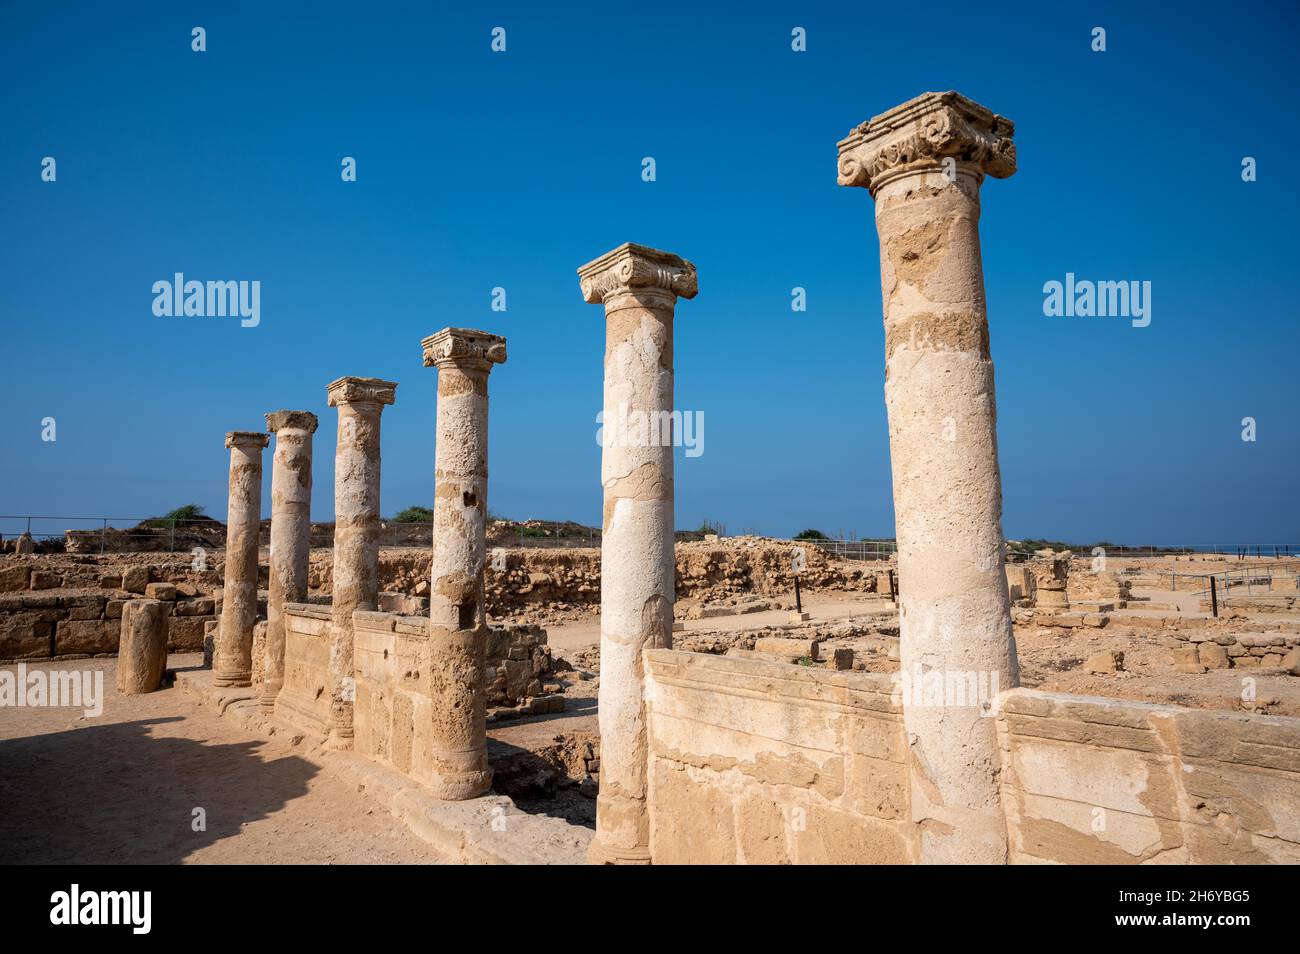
{"points": [[135, 578], [185, 633], [25, 634], [1212, 656], [15, 578], [160, 591], [202, 606], [74, 636], [46, 580], [788, 648], [1108, 660]]}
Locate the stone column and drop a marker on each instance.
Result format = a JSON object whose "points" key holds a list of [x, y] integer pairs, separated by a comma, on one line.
{"points": [[924, 162], [290, 536], [142, 649], [639, 288], [1051, 582], [232, 662], [458, 620], [356, 532]]}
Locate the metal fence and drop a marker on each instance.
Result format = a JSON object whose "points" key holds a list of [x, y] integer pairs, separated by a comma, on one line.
{"points": [[1234, 551]]}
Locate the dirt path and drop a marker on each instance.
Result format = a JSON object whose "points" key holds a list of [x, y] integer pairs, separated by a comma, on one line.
{"points": [[122, 788], [566, 637]]}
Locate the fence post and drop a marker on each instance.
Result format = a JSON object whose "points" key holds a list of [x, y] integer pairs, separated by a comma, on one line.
{"points": [[1214, 598]]}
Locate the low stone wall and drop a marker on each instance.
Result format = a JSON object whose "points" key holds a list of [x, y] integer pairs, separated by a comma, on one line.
{"points": [[1208, 650], [392, 678], [304, 700], [767, 762], [761, 762], [516, 580], [393, 712], [1101, 781], [46, 624]]}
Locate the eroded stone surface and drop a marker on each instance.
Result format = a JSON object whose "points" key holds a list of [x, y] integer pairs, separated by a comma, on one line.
{"points": [[923, 162], [457, 614], [232, 663], [639, 288], [290, 536]]}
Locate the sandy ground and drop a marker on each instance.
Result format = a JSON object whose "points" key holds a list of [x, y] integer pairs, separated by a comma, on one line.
{"points": [[121, 788], [565, 638]]}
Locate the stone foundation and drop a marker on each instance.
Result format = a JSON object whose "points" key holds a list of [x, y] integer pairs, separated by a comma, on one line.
{"points": [[765, 762]]}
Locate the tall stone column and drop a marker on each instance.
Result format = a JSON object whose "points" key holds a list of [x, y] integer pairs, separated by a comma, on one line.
{"points": [[290, 535], [639, 288], [356, 532], [924, 162], [458, 620], [232, 660]]}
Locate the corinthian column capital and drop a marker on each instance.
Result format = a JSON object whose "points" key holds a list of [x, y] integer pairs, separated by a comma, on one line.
{"points": [[920, 134]]}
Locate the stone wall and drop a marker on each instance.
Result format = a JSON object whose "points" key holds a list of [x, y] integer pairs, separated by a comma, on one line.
{"points": [[523, 578], [305, 699], [1210, 650], [40, 618], [392, 700], [1100, 781], [766, 762]]}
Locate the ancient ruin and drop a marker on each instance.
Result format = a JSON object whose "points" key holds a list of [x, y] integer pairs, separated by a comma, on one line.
{"points": [[233, 659], [457, 613], [356, 531], [633, 693], [290, 535], [923, 163], [639, 288]]}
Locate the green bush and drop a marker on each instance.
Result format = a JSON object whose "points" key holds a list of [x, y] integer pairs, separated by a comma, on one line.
{"points": [[189, 513], [414, 515]]}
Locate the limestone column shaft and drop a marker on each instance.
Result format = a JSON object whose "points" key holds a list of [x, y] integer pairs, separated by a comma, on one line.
{"points": [[360, 401], [232, 661], [457, 616], [924, 162], [639, 288], [290, 535]]}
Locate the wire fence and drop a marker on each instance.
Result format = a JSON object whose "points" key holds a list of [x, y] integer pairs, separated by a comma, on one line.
{"points": [[99, 534], [1233, 551]]}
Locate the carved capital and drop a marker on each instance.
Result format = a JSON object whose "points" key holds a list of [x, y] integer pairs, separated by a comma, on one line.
{"points": [[464, 347], [920, 134], [303, 420], [352, 390], [247, 439], [630, 267]]}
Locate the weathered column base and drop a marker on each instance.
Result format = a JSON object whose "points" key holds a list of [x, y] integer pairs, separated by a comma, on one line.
{"points": [[270, 692], [622, 830], [459, 752], [234, 680]]}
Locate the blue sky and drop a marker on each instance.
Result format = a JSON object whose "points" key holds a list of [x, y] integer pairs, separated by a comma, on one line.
{"points": [[479, 169]]}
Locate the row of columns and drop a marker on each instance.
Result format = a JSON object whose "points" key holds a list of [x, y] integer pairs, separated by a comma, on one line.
{"points": [[923, 163], [458, 619]]}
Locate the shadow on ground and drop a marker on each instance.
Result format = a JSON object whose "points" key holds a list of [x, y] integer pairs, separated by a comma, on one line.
{"points": [[115, 794]]}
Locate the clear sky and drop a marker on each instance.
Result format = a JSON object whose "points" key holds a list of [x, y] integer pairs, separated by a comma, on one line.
{"points": [[478, 170]]}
